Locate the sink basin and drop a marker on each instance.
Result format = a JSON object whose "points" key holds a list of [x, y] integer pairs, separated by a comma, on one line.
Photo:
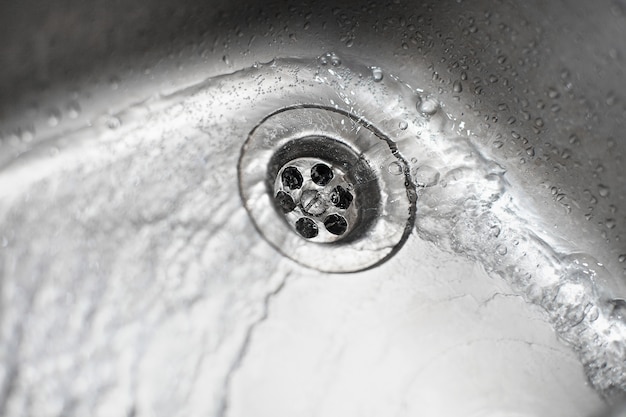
{"points": [[149, 269]]}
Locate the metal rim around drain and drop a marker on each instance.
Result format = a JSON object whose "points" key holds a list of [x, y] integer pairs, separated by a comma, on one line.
{"points": [[326, 189]]}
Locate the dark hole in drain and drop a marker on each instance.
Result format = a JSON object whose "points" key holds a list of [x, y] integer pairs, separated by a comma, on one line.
{"points": [[291, 178], [340, 197], [321, 174], [285, 202], [306, 227], [336, 224]]}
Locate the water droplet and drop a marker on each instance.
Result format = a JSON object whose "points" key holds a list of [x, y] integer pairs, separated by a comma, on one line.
{"points": [[498, 144], [530, 151], [54, 117], [610, 142], [73, 109], [457, 87], [622, 258], [618, 308], [501, 250], [610, 223], [553, 93], [395, 168], [611, 99], [335, 61], [603, 190], [28, 134], [428, 106], [377, 74], [113, 122], [566, 154], [426, 176], [403, 125], [114, 82], [539, 122], [226, 59]]}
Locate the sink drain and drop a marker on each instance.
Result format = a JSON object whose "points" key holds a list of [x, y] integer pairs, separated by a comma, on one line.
{"points": [[315, 192], [326, 189]]}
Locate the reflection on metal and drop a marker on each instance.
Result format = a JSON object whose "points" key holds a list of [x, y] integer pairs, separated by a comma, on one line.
{"points": [[133, 282]]}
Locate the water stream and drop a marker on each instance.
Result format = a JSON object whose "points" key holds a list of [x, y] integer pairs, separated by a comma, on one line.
{"points": [[154, 190]]}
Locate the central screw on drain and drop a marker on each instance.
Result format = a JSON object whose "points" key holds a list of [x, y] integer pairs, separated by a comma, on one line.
{"points": [[313, 203]]}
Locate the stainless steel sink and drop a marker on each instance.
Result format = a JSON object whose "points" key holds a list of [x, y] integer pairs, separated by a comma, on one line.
{"points": [[150, 265]]}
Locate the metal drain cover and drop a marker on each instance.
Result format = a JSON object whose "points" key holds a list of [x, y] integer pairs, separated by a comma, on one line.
{"points": [[326, 189]]}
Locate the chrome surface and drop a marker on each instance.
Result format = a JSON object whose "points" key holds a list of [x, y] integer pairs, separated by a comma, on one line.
{"points": [[134, 283]]}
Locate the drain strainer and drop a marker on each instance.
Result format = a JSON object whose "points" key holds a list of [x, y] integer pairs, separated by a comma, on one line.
{"points": [[326, 189]]}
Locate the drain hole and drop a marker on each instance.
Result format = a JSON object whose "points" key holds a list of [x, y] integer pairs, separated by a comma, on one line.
{"points": [[336, 224], [307, 228], [285, 202], [321, 174], [292, 178], [341, 198]]}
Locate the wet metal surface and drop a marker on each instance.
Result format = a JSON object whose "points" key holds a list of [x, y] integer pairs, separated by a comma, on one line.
{"points": [[134, 283]]}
